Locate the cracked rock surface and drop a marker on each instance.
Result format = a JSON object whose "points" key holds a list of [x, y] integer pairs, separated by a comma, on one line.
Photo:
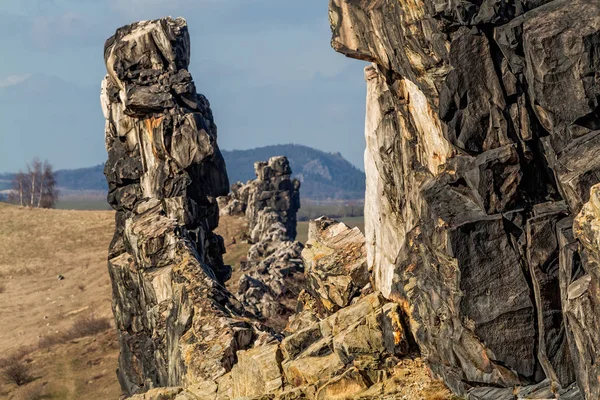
{"points": [[482, 147], [273, 265]]}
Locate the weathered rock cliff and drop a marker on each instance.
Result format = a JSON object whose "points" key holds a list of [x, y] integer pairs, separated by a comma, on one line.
{"points": [[482, 146], [177, 324]]}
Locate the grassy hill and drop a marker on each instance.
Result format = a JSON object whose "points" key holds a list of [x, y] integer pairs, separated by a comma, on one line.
{"points": [[37, 309]]}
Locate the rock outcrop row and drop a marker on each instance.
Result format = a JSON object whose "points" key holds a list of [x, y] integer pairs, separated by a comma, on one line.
{"points": [[272, 189], [177, 324], [482, 148], [273, 264]]}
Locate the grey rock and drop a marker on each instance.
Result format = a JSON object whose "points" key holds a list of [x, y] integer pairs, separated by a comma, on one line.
{"points": [[273, 188], [270, 204]]}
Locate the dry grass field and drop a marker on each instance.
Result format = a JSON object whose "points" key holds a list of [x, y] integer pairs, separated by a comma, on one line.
{"points": [[38, 311], [35, 306]]}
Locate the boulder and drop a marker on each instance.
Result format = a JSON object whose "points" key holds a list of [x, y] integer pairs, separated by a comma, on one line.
{"points": [[365, 337], [335, 263]]}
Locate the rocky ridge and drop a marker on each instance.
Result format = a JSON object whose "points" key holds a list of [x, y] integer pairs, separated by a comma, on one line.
{"points": [[273, 264], [481, 130], [182, 335]]}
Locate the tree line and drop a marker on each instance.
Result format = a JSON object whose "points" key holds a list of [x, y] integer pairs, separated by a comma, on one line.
{"points": [[35, 187]]}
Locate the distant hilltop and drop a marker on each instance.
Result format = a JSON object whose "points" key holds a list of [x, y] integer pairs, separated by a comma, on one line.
{"points": [[323, 175]]}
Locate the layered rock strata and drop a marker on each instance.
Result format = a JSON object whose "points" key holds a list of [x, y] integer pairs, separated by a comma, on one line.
{"points": [[482, 143], [177, 324]]}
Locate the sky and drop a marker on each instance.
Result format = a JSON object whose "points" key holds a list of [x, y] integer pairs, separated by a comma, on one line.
{"points": [[266, 66]]}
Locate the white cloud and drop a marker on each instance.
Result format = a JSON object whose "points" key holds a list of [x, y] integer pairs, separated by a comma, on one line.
{"points": [[12, 80]]}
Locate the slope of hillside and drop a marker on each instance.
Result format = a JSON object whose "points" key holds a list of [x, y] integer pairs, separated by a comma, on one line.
{"points": [[37, 246]]}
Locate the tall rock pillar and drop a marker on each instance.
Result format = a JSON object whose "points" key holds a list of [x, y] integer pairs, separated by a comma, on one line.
{"points": [[177, 325]]}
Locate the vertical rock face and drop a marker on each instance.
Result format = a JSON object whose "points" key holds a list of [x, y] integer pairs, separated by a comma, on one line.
{"points": [[177, 324], [482, 146]]}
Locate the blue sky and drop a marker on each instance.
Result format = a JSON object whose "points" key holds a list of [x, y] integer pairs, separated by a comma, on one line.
{"points": [[265, 65]]}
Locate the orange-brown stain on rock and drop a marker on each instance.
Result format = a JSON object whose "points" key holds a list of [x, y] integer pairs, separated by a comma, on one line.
{"points": [[151, 124]]}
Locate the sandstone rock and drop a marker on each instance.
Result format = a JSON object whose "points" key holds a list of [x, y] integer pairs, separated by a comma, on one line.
{"points": [[579, 269], [335, 263], [258, 371], [159, 394], [177, 324], [366, 336], [482, 143]]}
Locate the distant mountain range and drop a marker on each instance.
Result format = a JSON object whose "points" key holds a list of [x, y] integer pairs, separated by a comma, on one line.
{"points": [[323, 175]]}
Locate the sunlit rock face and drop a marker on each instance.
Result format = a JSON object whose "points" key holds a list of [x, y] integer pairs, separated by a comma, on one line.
{"points": [[177, 324], [482, 146]]}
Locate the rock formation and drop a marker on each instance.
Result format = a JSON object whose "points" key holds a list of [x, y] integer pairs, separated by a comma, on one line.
{"points": [[177, 324], [270, 204], [273, 188], [350, 353], [482, 142], [335, 264]]}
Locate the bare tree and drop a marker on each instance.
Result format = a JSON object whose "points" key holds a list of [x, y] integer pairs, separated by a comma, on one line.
{"points": [[34, 170], [19, 185], [36, 187], [48, 191]]}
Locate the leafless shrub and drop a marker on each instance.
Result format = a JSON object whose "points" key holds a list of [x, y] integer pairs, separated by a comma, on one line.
{"points": [[17, 355], [51, 340], [82, 326], [16, 371], [33, 391], [81, 287], [88, 326]]}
